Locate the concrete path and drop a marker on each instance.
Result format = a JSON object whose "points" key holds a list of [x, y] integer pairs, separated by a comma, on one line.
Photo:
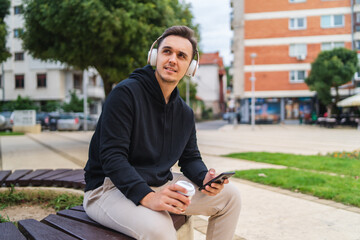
{"points": [[267, 212]]}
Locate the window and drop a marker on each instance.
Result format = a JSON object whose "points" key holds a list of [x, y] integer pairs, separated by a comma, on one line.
{"points": [[297, 49], [17, 32], [19, 81], [41, 80], [19, 56], [358, 17], [357, 45], [297, 76], [331, 45], [18, 10], [296, 1], [77, 81], [297, 23], [332, 21]]}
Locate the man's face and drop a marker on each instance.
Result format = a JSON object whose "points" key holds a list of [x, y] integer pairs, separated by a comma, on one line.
{"points": [[173, 59]]}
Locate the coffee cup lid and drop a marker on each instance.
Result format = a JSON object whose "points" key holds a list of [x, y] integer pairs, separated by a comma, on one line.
{"points": [[188, 186]]}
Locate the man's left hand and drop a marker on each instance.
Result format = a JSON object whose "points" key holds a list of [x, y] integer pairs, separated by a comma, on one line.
{"points": [[215, 188]]}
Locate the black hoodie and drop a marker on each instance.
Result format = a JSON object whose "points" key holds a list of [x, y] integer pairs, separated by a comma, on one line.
{"points": [[139, 138]]}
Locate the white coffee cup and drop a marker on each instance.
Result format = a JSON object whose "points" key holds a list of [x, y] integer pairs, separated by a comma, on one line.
{"points": [[188, 186]]}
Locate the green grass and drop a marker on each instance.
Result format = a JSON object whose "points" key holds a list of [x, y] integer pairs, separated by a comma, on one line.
{"points": [[343, 166], [308, 174], [340, 189], [11, 134], [55, 200]]}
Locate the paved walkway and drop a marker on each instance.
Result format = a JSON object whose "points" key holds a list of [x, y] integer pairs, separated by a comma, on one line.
{"points": [[267, 212]]}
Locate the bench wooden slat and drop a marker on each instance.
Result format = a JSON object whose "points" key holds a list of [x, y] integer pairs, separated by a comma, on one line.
{"points": [[17, 174], [78, 216], [78, 208], [10, 232], [82, 230], [3, 175], [41, 180], [67, 174], [178, 220], [68, 179], [51, 180], [73, 181], [25, 180], [80, 184], [33, 229]]}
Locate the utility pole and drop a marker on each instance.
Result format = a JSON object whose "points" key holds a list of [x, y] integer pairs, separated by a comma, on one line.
{"points": [[3, 81], [252, 79], [187, 79], [85, 85]]}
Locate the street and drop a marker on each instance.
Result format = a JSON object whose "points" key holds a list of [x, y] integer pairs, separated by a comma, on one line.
{"points": [[267, 212]]}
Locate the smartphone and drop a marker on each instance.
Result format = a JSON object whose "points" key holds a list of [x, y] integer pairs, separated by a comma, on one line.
{"points": [[218, 179]]}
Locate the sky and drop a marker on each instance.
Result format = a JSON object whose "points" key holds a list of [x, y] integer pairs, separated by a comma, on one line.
{"points": [[213, 16]]}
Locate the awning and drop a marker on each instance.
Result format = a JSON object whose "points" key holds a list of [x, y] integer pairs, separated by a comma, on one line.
{"points": [[352, 101]]}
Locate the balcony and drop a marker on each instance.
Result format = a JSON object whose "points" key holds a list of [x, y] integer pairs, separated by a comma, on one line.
{"points": [[96, 92]]}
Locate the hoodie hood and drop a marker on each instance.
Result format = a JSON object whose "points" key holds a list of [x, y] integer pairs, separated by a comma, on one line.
{"points": [[146, 76]]}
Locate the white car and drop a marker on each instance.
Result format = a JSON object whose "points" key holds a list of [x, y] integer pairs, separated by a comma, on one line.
{"points": [[68, 122]]}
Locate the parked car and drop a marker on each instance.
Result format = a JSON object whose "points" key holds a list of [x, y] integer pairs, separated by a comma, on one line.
{"points": [[53, 118], [43, 118], [7, 122], [91, 122], [68, 122]]}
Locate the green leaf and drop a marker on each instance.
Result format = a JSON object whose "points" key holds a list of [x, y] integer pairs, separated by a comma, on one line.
{"points": [[331, 69], [111, 36]]}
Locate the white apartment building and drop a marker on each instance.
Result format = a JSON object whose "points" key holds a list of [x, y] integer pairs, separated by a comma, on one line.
{"points": [[211, 82], [43, 81]]}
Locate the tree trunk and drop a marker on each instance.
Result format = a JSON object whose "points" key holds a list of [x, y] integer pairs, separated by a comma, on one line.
{"points": [[107, 81], [337, 95], [108, 85], [329, 110]]}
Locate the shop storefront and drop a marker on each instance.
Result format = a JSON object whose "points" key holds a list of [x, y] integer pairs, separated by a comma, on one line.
{"points": [[296, 108], [276, 110]]}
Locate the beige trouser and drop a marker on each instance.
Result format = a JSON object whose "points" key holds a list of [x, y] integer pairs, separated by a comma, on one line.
{"points": [[108, 206]]}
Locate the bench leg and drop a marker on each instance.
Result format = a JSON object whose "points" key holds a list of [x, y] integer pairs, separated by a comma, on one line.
{"points": [[186, 232]]}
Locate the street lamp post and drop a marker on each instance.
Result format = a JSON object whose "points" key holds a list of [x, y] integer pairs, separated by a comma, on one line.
{"points": [[3, 82], [85, 89], [252, 79]]}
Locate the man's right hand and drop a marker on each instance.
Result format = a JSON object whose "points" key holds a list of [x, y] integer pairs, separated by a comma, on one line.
{"points": [[168, 199]]}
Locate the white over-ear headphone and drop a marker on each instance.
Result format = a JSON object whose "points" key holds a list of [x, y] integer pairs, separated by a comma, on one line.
{"points": [[152, 56]]}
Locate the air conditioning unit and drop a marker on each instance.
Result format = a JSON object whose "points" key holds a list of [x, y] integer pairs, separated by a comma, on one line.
{"points": [[301, 57]]}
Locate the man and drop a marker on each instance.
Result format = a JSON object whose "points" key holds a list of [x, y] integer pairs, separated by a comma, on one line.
{"points": [[144, 129]]}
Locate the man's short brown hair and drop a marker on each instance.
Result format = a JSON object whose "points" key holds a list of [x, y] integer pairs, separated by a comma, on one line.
{"points": [[182, 31]]}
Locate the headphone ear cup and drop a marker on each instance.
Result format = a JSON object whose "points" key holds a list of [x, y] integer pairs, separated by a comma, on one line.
{"points": [[152, 56], [192, 69]]}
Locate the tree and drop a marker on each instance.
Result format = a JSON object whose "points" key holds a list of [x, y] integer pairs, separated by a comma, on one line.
{"points": [[331, 69], [75, 104], [192, 90], [21, 103], [111, 36], [50, 106], [4, 10]]}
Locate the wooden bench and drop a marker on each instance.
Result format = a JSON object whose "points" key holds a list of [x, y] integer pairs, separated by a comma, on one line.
{"points": [[66, 224]]}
